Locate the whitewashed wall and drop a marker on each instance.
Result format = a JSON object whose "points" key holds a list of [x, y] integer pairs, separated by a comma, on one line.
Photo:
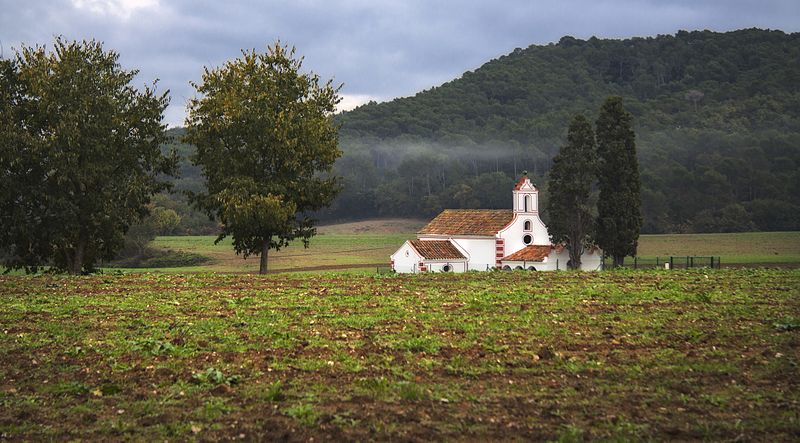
{"points": [[480, 252], [406, 259], [514, 233], [589, 261], [438, 266]]}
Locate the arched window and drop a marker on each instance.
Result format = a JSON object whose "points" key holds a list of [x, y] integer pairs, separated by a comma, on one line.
{"points": [[527, 225], [526, 203]]}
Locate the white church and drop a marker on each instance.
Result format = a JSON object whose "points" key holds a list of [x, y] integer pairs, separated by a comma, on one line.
{"points": [[460, 240]]}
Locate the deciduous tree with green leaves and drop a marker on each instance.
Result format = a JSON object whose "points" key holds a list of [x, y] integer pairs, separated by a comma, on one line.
{"points": [[619, 206], [80, 155], [570, 183], [266, 143]]}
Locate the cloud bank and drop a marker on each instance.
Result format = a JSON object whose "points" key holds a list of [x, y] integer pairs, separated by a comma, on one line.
{"points": [[378, 49]]}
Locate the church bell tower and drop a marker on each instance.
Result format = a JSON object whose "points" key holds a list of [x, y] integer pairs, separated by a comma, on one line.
{"points": [[526, 196]]}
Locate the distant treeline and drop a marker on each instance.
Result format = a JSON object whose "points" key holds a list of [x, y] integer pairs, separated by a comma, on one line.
{"points": [[717, 119]]}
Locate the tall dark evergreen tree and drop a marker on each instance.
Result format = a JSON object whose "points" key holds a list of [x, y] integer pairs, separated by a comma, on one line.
{"points": [[570, 183], [619, 207]]}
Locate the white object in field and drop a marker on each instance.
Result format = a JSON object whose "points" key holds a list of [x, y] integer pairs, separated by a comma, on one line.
{"points": [[480, 240]]}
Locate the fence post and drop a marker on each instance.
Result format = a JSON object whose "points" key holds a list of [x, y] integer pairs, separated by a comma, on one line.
{"points": [[556, 264], [656, 262], [687, 262], [635, 262], [671, 262]]}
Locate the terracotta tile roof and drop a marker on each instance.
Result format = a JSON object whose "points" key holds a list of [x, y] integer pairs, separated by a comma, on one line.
{"points": [[437, 249], [529, 253], [469, 222], [520, 182]]}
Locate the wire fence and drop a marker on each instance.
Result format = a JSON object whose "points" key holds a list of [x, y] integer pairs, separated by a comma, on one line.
{"points": [[670, 262]]}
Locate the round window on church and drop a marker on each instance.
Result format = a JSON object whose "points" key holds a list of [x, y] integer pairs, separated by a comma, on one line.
{"points": [[527, 239], [447, 268]]}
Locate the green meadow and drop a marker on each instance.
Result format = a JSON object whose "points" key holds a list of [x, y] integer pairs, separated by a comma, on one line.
{"points": [[365, 246]]}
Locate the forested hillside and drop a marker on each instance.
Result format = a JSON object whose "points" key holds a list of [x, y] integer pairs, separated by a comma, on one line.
{"points": [[717, 118]]}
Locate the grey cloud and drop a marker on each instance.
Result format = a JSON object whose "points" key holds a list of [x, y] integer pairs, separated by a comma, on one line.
{"points": [[380, 49]]}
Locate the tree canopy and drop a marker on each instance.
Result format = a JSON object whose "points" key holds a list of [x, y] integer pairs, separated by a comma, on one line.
{"points": [[716, 114], [717, 126], [80, 154], [570, 184], [266, 144], [619, 218]]}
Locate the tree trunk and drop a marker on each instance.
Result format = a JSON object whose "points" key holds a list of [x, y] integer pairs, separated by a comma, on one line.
{"points": [[264, 252], [619, 261], [428, 182], [75, 265], [575, 253], [68, 259]]}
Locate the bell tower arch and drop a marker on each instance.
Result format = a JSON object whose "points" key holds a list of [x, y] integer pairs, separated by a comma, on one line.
{"points": [[526, 197]]}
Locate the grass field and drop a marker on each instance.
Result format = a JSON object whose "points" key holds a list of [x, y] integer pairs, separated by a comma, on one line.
{"points": [[618, 355], [368, 244], [743, 247], [328, 251]]}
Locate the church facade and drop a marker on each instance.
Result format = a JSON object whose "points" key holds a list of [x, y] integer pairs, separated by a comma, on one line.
{"points": [[460, 240]]}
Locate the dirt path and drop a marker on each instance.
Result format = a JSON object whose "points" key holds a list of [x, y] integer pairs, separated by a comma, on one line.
{"points": [[332, 267]]}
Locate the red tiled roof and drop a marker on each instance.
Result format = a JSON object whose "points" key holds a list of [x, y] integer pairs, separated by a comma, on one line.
{"points": [[437, 249], [469, 222], [520, 182], [529, 253]]}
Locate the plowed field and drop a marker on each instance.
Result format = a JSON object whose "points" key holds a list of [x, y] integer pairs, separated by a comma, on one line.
{"points": [[665, 355]]}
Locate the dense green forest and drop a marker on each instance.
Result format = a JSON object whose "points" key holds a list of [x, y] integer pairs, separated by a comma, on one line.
{"points": [[717, 118]]}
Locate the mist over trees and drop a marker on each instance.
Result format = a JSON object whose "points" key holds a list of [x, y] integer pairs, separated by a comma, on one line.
{"points": [[717, 121]]}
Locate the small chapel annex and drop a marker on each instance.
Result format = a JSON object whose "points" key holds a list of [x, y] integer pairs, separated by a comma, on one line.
{"points": [[460, 240]]}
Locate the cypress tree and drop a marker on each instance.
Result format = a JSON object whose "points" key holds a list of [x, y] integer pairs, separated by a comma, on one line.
{"points": [[570, 183], [619, 206]]}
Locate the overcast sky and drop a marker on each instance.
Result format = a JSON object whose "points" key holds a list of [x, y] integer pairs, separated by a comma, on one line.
{"points": [[378, 49]]}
